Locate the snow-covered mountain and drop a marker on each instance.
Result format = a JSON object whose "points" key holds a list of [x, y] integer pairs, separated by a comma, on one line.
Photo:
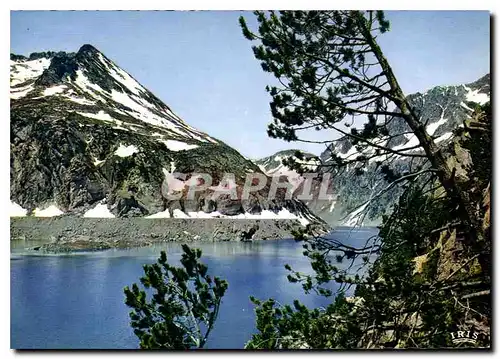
{"points": [[441, 109], [354, 192], [92, 86], [274, 166], [87, 139]]}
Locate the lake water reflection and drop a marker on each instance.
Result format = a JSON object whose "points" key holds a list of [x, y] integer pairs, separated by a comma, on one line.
{"points": [[76, 301]]}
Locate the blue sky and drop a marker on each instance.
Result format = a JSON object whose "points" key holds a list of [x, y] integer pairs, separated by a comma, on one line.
{"points": [[202, 67]]}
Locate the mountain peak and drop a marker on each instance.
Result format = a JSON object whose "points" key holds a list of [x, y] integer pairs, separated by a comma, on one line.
{"points": [[64, 65], [90, 83], [87, 48], [100, 141]]}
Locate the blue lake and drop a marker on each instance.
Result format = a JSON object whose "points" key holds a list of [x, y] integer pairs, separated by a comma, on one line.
{"points": [[76, 301]]}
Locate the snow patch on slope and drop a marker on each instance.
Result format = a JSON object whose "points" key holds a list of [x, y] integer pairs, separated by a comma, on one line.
{"points": [[136, 105], [16, 210], [266, 214], [175, 146], [101, 115], [444, 137], [18, 92], [22, 71], [434, 126], [164, 214], [126, 151], [79, 100], [293, 177], [49, 91], [465, 106], [99, 211], [89, 87], [51, 211], [202, 214], [476, 96], [143, 111], [349, 154], [121, 76], [179, 214], [97, 162]]}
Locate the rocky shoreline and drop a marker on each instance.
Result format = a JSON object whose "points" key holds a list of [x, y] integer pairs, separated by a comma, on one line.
{"points": [[68, 234]]}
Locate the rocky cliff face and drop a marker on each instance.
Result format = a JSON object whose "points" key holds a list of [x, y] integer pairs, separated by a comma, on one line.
{"points": [[357, 197], [88, 139]]}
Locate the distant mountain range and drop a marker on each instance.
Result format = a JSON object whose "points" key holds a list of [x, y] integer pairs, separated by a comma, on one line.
{"points": [[442, 109], [88, 140], [273, 165]]}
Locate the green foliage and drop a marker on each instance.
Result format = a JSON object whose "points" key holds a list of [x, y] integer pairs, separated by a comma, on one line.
{"points": [[321, 61], [395, 306], [332, 74], [183, 307], [297, 327], [327, 65], [414, 229]]}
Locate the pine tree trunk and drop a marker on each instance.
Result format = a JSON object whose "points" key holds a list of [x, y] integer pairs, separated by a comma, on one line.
{"points": [[446, 175]]}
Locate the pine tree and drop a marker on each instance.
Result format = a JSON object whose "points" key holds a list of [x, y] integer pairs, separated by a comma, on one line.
{"points": [[330, 74], [331, 69], [184, 305]]}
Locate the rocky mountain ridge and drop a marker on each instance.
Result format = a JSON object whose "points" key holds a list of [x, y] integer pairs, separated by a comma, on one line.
{"points": [[88, 140], [442, 109], [274, 166]]}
